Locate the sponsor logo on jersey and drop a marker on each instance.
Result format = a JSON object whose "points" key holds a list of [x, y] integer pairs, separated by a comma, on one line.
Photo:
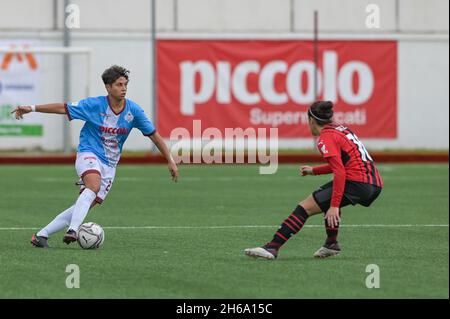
{"points": [[114, 130], [323, 149], [112, 143], [341, 128]]}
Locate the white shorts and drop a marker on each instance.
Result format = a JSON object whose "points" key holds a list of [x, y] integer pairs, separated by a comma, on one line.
{"points": [[89, 163]]}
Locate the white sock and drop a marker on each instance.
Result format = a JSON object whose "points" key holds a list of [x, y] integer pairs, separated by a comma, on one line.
{"points": [[81, 209], [60, 222]]}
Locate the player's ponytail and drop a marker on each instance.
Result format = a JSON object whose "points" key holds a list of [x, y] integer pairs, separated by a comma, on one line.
{"points": [[322, 112]]}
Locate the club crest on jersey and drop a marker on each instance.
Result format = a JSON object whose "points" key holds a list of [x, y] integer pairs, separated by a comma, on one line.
{"points": [[129, 117]]}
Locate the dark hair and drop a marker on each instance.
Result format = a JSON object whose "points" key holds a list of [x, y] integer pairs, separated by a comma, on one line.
{"points": [[113, 73], [322, 112]]}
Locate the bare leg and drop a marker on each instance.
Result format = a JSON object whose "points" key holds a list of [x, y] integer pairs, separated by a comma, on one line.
{"points": [[310, 206]]}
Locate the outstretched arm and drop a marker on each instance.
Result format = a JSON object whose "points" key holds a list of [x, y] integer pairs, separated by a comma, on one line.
{"points": [[56, 108], [162, 147]]}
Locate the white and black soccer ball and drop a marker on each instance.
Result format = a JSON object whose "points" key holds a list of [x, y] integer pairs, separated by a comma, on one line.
{"points": [[90, 236]]}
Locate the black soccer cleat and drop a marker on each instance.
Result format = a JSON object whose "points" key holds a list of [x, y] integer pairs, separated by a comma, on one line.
{"points": [[39, 241], [70, 236]]}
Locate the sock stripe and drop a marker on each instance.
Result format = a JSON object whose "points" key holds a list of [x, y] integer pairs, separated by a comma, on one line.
{"points": [[297, 225], [300, 221], [297, 221], [281, 235], [303, 218], [291, 227]]}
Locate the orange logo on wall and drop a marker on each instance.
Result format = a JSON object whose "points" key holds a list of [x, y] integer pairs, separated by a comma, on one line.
{"points": [[20, 57]]}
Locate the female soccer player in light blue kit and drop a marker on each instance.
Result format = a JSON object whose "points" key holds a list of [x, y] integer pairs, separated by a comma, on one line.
{"points": [[108, 122]]}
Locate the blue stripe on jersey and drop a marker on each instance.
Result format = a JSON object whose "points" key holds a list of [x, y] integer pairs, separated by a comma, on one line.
{"points": [[105, 132]]}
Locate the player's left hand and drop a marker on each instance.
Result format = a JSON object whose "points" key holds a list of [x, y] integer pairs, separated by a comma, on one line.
{"points": [[332, 217], [173, 169]]}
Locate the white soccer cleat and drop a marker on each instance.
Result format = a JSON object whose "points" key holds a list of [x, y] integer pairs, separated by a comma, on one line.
{"points": [[260, 252], [328, 251]]}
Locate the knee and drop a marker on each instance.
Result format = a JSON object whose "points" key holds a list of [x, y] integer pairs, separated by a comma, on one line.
{"points": [[307, 209], [310, 206], [94, 187], [93, 182]]}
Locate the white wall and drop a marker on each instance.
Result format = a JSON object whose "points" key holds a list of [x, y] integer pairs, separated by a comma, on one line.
{"points": [[212, 16], [343, 15], [26, 14], [118, 33], [423, 16], [233, 15], [423, 94]]}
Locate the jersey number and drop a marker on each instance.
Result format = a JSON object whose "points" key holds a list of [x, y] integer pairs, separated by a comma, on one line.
{"points": [[362, 150]]}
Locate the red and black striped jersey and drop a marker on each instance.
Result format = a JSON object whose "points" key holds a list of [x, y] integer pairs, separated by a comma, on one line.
{"points": [[338, 140]]}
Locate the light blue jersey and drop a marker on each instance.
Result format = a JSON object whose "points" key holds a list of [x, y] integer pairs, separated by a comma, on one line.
{"points": [[105, 132]]}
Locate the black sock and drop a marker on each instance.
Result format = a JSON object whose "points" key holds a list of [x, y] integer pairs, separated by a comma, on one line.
{"points": [[332, 232], [290, 226]]}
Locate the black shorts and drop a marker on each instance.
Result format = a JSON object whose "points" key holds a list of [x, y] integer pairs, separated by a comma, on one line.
{"points": [[354, 193]]}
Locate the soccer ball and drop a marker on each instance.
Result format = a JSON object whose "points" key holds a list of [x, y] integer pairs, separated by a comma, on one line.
{"points": [[90, 236]]}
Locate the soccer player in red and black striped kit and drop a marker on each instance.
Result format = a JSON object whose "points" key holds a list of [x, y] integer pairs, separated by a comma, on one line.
{"points": [[356, 181]]}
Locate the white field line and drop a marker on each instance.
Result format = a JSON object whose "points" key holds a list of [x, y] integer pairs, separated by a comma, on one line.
{"points": [[219, 179], [245, 226]]}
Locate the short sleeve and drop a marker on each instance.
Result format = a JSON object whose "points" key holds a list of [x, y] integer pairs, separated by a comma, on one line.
{"points": [[327, 145], [142, 122], [81, 110]]}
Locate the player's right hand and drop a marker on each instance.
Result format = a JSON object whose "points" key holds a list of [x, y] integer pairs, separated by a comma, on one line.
{"points": [[306, 170], [20, 111], [173, 169]]}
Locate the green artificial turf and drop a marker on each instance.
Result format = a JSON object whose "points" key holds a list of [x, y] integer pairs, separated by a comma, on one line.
{"points": [[186, 240]]}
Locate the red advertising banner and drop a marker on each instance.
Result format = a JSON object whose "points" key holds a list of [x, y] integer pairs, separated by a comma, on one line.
{"points": [[264, 84]]}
